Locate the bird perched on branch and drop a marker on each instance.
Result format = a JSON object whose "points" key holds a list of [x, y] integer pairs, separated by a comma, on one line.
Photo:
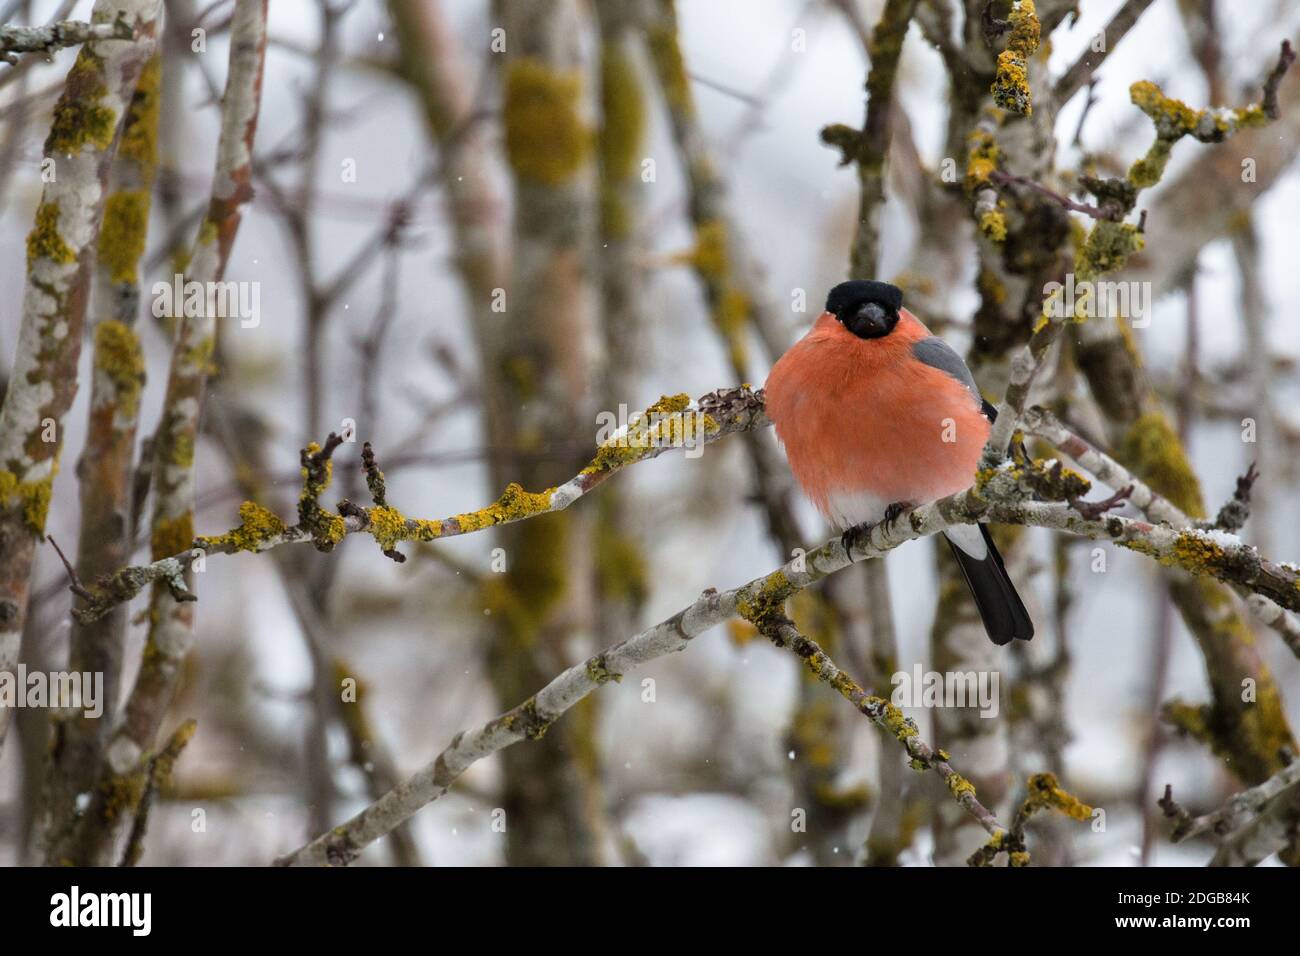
{"points": [[877, 415]]}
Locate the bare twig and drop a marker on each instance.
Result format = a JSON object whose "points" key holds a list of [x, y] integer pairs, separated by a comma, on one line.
{"points": [[1082, 70], [62, 33]]}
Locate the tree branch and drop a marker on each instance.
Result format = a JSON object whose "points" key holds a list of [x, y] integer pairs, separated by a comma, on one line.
{"points": [[1004, 496], [672, 422], [63, 33]]}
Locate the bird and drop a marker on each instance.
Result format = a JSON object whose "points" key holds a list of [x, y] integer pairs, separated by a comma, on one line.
{"points": [[876, 415]]}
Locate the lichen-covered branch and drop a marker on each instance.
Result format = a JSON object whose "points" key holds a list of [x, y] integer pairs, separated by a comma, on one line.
{"points": [[782, 632], [1044, 793], [672, 422], [170, 632], [63, 33], [43, 380], [105, 467], [159, 777], [1109, 243], [719, 258], [869, 149], [1002, 496], [1041, 423]]}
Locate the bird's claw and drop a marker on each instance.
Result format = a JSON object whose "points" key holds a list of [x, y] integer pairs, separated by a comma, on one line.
{"points": [[861, 533], [852, 536]]}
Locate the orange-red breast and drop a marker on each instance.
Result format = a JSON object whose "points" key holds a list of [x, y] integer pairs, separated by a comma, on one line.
{"points": [[875, 412]]}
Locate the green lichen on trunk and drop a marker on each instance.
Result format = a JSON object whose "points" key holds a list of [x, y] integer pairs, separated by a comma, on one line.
{"points": [[32, 497], [172, 536], [1251, 736], [622, 134], [670, 65], [118, 355], [45, 241], [140, 132], [1150, 448], [122, 234], [80, 116], [730, 306], [546, 138]]}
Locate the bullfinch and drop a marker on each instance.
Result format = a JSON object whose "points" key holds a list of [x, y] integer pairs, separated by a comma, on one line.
{"points": [[877, 415]]}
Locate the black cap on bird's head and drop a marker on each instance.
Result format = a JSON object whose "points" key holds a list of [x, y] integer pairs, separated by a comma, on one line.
{"points": [[867, 308]]}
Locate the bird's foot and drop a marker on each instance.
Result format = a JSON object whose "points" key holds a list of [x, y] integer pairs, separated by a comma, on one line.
{"points": [[855, 536], [893, 511], [860, 534]]}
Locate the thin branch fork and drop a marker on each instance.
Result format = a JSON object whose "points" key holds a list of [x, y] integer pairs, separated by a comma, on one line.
{"points": [[1043, 424], [1111, 211], [782, 632], [1250, 826], [668, 424]]}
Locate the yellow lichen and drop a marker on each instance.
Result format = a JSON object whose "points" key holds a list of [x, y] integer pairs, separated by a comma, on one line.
{"points": [[761, 604], [1046, 793], [1011, 83], [1107, 248], [514, 503], [896, 722], [257, 525], [118, 355], [1173, 118], [44, 241], [199, 355], [670, 67], [981, 159], [1151, 449], [122, 234], [993, 225], [388, 525], [182, 450], [669, 404], [32, 496], [172, 536], [207, 235], [959, 786], [140, 132], [79, 116], [710, 256], [622, 132], [546, 139]]}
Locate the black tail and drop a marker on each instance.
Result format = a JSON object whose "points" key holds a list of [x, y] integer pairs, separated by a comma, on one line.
{"points": [[1000, 607]]}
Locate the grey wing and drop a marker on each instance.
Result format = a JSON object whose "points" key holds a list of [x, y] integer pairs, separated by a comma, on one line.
{"points": [[937, 353]]}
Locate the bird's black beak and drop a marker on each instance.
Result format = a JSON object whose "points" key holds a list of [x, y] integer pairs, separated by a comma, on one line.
{"points": [[871, 321]]}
